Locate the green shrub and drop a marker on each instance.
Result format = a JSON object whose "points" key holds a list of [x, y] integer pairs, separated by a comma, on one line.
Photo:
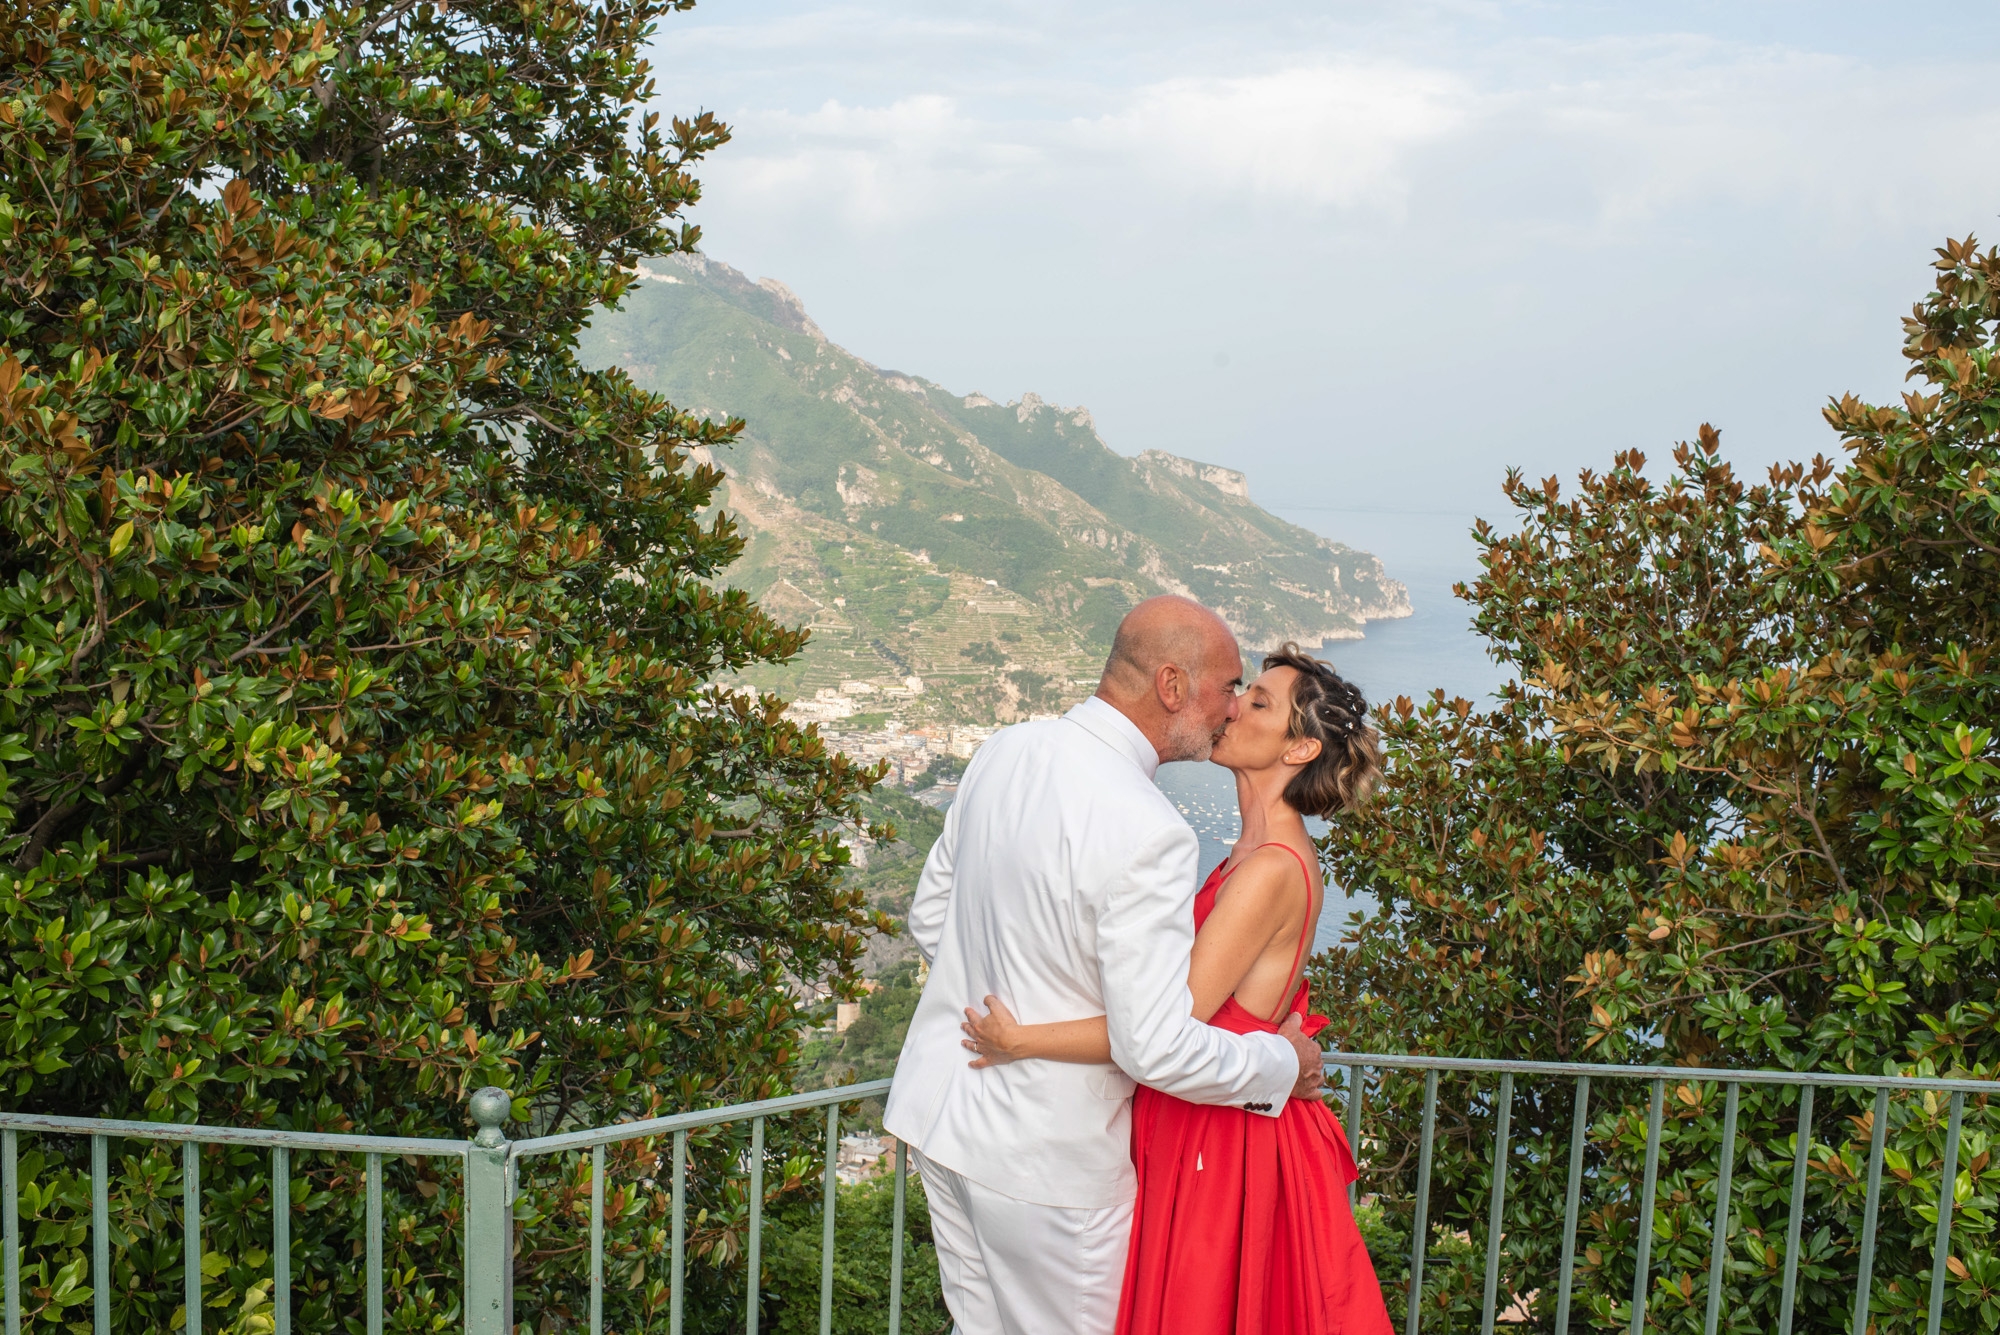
{"points": [[862, 1224], [1740, 809], [359, 740]]}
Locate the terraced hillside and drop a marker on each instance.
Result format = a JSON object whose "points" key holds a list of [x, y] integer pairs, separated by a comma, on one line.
{"points": [[987, 549]]}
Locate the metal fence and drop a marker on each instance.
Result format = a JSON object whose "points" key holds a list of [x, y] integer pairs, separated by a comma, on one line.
{"points": [[488, 1163], [281, 1144], [678, 1126], [1357, 1066]]}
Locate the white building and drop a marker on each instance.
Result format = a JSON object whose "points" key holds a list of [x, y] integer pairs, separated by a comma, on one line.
{"points": [[965, 740], [863, 1157]]}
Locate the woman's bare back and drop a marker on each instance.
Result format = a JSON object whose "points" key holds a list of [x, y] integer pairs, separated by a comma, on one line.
{"points": [[1252, 945]]}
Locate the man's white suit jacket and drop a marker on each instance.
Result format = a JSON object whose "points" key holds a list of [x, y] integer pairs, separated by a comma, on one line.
{"points": [[1064, 884]]}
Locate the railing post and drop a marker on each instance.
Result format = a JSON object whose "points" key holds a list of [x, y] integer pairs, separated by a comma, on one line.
{"points": [[1878, 1128], [1496, 1210], [100, 1238], [677, 1272], [1579, 1133], [373, 1226], [1947, 1197], [191, 1230], [489, 1220], [1354, 1078], [1641, 1275], [281, 1242], [10, 1211], [753, 1268], [1718, 1242], [826, 1220], [1795, 1221], [597, 1240], [1420, 1225]]}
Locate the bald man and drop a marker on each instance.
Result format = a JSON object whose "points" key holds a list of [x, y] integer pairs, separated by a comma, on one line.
{"points": [[1064, 884]]}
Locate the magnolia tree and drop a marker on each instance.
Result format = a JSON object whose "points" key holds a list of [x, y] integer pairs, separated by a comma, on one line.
{"points": [[1739, 810], [357, 646]]}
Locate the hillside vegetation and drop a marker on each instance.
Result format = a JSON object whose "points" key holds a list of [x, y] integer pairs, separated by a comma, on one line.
{"points": [[989, 548]]}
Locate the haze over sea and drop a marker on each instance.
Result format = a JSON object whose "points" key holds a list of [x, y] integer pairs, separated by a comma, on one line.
{"points": [[1429, 550]]}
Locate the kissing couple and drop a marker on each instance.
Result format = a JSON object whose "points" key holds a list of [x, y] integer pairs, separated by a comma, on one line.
{"points": [[1062, 895]]}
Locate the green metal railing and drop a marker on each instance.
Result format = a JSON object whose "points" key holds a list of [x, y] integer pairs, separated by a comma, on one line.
{"points": [[488, 1162], [1356, 1067], [678, 1126], [191, 1138]]}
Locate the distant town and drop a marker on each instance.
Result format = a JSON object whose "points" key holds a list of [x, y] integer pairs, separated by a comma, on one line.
{"points": [[911, 747]]}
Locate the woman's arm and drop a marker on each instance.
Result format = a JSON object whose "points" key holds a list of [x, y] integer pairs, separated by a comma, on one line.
{"points": [[1259, 905], [999, 1038]]}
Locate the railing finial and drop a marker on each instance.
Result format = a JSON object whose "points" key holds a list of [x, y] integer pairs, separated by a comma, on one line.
{"points": [[490, 1107], [489, 1219]]}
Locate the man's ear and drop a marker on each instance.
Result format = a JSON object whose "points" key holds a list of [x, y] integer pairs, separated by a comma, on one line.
{"points": [[1171, 685], [1302, 752]]}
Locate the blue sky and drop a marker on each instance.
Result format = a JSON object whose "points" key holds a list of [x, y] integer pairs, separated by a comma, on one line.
{"points": [[1372, 254]]}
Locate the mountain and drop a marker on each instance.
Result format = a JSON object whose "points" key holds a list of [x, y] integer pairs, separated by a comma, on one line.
{"points": [[987, 549]]}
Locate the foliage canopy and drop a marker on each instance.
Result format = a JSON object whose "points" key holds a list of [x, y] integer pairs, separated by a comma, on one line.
{"points": [[358, 736], [1742, 808]]}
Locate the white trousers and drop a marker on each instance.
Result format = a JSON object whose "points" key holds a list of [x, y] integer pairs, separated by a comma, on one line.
{"points": [[1014, 1268]]}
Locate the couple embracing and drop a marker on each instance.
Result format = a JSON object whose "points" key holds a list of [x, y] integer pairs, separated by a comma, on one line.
{"points": [[1213, 1201]]}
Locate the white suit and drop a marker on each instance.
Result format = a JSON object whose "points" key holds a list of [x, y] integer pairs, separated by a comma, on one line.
{"points": [[1063, 884]]}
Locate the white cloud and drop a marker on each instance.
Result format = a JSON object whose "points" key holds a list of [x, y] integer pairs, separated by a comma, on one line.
{"points": [[1554, 137], [870, 166], [1323, 134]]}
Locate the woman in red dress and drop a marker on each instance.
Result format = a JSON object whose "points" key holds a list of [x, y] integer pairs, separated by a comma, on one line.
{"points": [[1242, 1225]]}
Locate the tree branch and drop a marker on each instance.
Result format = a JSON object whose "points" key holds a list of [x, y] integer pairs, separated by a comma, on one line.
{"points": [[284, 625]]}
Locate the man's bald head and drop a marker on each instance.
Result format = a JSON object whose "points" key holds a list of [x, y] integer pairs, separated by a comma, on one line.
{"points": [[1173, 671], [1160, 632]]}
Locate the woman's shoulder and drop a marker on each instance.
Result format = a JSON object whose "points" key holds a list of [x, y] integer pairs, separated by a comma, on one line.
{"points": [[1269, 870], [1281, 859]]}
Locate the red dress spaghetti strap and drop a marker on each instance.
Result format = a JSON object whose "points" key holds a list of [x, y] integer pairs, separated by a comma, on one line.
{"points": [[1242, 1225]]}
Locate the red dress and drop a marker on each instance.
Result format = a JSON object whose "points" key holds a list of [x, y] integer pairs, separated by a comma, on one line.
{"points": [[1242, 1225]]}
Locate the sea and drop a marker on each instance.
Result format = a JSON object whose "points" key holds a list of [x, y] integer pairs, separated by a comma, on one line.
{"points": [[1429, 551]]}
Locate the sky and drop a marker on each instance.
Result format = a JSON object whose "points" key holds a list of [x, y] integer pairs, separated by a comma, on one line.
{"points": [[1372, 254]]}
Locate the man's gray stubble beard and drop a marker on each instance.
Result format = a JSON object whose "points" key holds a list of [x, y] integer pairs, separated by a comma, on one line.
{"points": [[1186, 739]]}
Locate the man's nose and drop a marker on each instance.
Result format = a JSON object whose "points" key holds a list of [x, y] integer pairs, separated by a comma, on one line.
{"points": [[1235, 706]]}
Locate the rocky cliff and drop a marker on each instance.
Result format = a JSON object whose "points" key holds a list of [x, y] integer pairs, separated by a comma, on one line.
{"points": [[986, 547]]}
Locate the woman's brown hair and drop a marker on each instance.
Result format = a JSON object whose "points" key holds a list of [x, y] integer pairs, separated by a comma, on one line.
{"points": [[1329, 709]]}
